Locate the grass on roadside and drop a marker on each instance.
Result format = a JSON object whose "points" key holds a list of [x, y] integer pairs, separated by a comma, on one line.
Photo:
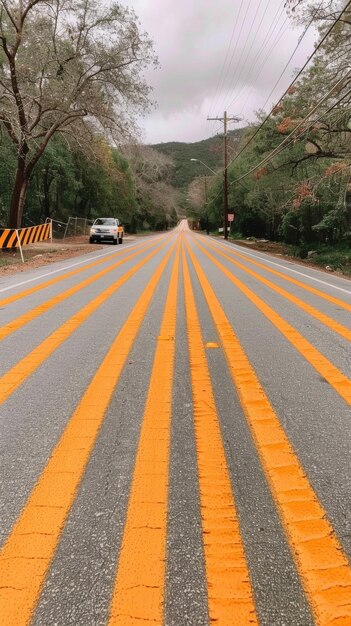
{"points": [[9, 258], [38, 254], [337, 257], [13, 257]]}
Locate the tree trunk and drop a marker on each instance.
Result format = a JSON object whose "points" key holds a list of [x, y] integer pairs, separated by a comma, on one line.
{"points": [[46, 189], [18, 195], [58, 199]]}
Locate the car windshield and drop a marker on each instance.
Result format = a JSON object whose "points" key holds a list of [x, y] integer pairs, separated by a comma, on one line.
{"points": [[107, 221]]}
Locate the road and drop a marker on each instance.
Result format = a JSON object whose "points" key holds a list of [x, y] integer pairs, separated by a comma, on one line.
{"points": [[175, 439]]}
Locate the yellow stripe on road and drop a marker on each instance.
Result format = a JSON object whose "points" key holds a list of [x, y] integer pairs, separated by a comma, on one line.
{"points": [[320, 560], [230, 598], [27, 366], [29, 549], [29, 316], [321, 364], [139, 587], [294, 281], [320, 317], [58, 279]]}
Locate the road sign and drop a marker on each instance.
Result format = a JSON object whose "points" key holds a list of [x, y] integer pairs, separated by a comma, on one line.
{"points": [[230, 217]]}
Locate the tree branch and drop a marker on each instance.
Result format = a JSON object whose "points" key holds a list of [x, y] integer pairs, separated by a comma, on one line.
{"points": [[69, 119], [9, 129]]}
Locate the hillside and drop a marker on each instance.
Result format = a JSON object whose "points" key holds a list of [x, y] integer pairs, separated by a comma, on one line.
{"points": [[210, 151]]}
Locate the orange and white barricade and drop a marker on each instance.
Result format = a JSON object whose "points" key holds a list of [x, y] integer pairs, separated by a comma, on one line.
{"points": [[17, 238]]}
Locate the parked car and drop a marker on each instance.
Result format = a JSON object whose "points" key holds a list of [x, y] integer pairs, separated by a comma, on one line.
{"points": [[106, 229]]}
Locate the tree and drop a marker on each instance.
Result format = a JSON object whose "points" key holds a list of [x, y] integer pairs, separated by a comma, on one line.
{"points": [[7, 172], [68, 67], [156, 197], [198, 195], [65, 182], [303, 193]]}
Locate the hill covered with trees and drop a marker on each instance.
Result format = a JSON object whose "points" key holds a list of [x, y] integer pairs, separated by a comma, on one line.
{"points": [[210, 151]]}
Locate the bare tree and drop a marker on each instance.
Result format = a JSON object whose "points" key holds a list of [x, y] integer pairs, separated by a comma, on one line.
{"points": [[148, 165], [197, 193], [72, 67], [153, 173]]}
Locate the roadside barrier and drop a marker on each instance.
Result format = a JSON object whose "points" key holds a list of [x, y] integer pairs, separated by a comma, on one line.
{"points": [[17, 238], [77, 226]]}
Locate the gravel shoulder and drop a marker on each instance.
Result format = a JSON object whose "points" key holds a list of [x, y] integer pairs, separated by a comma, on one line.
{"points": [[283, 252], [44, 253]]}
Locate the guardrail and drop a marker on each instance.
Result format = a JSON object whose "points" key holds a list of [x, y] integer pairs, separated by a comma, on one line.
{"points": [[17, 238]]}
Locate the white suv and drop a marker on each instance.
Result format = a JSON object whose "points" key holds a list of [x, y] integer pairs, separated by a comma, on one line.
{"points": [[106, 229]]}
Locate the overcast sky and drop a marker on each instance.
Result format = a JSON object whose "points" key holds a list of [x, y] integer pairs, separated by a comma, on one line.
{"points": [[215, 55]]}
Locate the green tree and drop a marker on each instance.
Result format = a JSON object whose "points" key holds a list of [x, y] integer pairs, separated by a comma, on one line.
{"points": [[67, 67]]}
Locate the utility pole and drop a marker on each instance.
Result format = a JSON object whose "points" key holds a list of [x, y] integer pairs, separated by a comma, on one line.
{"points": [[225, 119]]}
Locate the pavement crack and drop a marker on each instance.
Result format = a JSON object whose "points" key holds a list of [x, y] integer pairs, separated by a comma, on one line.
{"points": [[135, 617], [35, 534], [141, 587]]}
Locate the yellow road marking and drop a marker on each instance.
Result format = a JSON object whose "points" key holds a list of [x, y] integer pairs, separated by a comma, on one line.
{"points": [[29, 316], [211, 345], [322, 565], [29, 549], [321, 317], [230, 598], [58, 279], [324, 367], [140, 580], [294, 281], [15, 377]]}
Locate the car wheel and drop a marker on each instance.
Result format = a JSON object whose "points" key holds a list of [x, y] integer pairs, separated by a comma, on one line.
{"points": [[115, 242], [91, 240]]}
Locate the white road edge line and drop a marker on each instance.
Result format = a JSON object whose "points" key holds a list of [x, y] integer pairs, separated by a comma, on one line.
{"points": [[61, 269], [289, 269]]}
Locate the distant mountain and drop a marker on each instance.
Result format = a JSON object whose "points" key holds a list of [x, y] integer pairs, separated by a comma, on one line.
{"points": [[210, 151]]}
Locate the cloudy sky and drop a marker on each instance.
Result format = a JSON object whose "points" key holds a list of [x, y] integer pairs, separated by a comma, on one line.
{"points": [[215, 56]]}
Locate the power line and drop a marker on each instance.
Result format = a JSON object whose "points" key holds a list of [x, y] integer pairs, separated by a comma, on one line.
{"points": [[279, 35], [239, 36], [320, 179], [292, 55], [270, 32], [267, 37], [242, 65], [290, 139], [274, 44], [290, 59], [226, 57], [294, 81], [285, 143]]}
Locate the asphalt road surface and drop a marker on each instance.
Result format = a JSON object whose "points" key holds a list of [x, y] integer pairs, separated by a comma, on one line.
{"points": [[175, 443]]}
